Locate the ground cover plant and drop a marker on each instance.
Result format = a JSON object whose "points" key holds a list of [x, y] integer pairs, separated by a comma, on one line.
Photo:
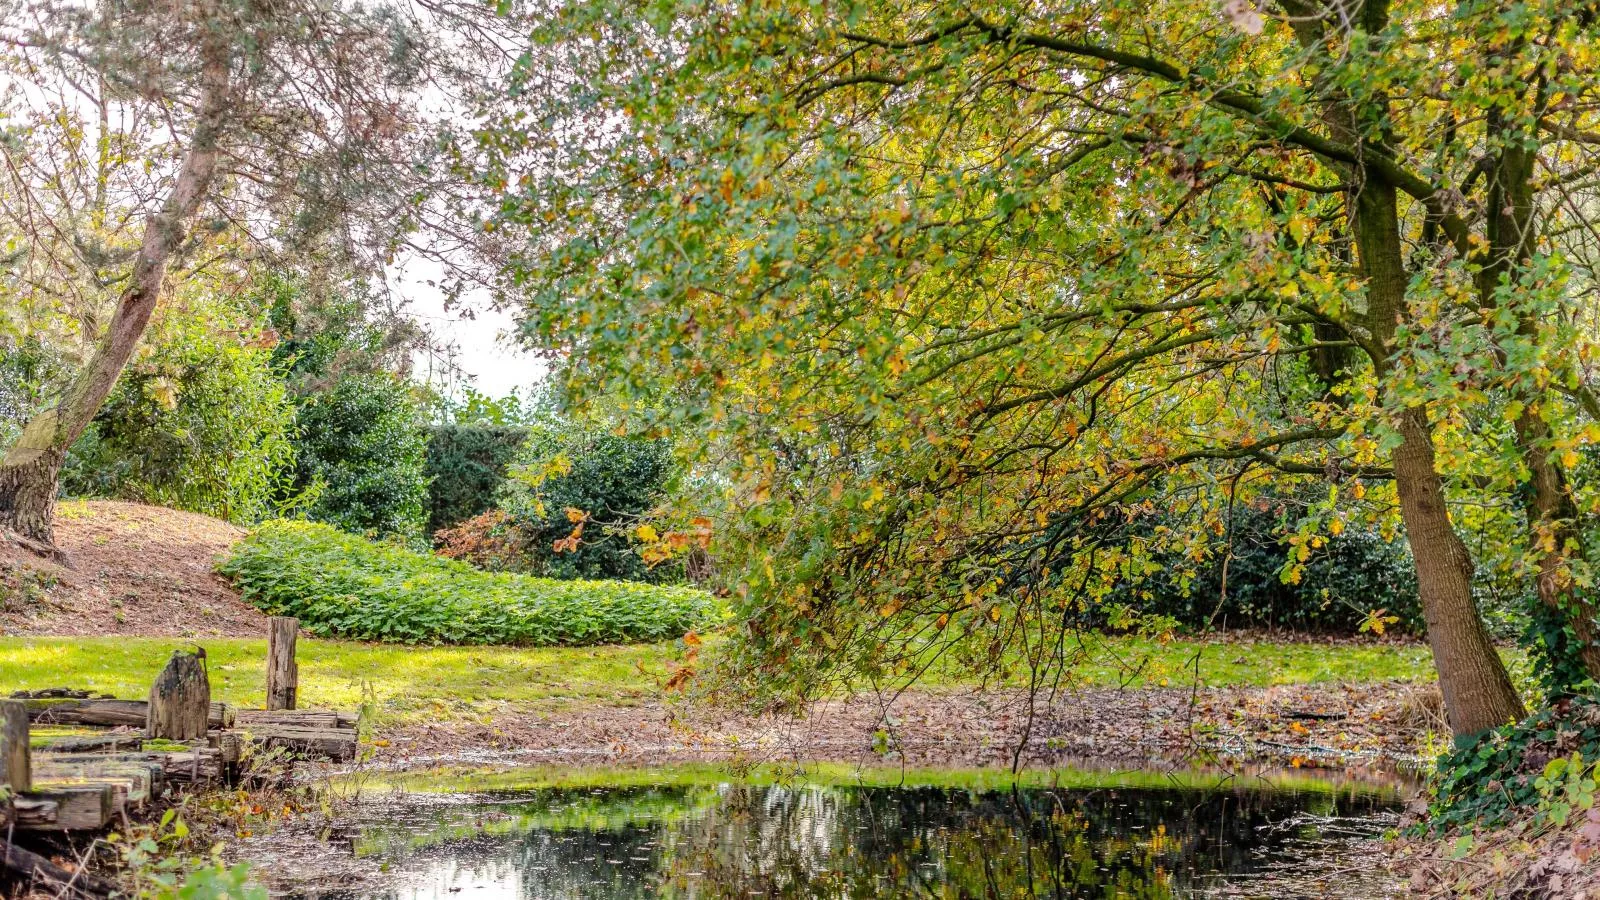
{"points": [[345, 586]]}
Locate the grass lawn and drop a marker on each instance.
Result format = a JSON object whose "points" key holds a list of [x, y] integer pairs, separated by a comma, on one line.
{"points": [[414, 683]]}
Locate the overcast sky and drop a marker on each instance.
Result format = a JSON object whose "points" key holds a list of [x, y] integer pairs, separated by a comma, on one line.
{"points": [[485, 351]]}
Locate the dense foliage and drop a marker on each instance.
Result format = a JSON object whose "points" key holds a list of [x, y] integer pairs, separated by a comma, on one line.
{"points": [[345, 586], [1253, 577], [1519, 768], [938, 289], [362, 456], [198, 423], [571, 506], [466, 467]]}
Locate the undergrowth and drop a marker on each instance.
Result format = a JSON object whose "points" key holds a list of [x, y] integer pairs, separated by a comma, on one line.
{"points": [[345, 586], [1544, 765]]}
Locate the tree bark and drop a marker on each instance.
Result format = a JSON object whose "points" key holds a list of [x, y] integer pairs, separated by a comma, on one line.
{"points": [[30, 470], [1478, 694]]}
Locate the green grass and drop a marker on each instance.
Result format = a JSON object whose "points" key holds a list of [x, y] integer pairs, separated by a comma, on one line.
{"points": [[406, 682], [417, 683], [457, 779]]}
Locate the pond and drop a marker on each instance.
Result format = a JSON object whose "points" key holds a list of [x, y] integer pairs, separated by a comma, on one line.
{"points": [[1051, 835]]}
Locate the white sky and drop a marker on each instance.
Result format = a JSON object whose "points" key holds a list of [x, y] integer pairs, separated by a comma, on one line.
{"points": [[484, 349]]}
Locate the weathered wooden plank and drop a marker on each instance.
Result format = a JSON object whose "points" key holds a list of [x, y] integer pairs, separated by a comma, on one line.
{"points": [[15, 758], [133, 781], [297, 718], [87, 743], [180, 766], [109, 713], [283, 675], [70, 808], [334, 743]]}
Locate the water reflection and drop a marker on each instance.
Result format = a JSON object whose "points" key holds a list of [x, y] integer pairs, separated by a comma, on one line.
{"points": [[733, 840]]}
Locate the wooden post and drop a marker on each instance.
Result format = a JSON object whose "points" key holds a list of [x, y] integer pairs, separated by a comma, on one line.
{"points": [[283, 675], [180, 700], [16, 769]]}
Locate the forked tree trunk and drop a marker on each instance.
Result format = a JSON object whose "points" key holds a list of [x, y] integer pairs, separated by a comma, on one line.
{"points": [[1478, 694], [31, 469], [1548, 507]]}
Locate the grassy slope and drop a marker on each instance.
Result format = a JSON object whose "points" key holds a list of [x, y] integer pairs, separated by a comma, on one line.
{"points": [[413, 683]]}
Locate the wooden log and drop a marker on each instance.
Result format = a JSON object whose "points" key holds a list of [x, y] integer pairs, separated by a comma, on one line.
{"points": [[201, 765], [15, 765], [333, 743], [133, 781], [88, 743], [110, 713], [296, 718], [180, 699], [283, 675], [66, 808], [32, 868], [58, 693]]}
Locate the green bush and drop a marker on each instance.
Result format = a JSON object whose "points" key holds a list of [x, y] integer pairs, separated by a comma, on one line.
{"points": [[363, 454], [344, 586], [1350, 576], [196, 424], [613, 479], [466, 467]]}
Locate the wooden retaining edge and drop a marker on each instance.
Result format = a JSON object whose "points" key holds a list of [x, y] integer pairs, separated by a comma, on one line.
{"points": [[110, 713], [338, 744], [300, 718]]}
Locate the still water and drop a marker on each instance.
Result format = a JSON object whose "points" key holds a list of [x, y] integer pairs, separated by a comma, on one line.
{"points": [[729, 840]]}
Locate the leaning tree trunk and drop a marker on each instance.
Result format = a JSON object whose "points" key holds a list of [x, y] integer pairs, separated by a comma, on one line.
{"points": [[1478, 694], [31, 469]]}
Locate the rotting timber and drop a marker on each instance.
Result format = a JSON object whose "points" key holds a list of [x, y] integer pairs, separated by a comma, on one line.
{"points": [[126, 757]]}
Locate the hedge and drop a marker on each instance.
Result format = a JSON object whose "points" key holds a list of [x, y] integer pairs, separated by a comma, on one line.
{"points": [[339, 585]]}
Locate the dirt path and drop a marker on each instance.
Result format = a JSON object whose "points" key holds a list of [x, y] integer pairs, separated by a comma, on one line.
{"points": [[132, 569]]}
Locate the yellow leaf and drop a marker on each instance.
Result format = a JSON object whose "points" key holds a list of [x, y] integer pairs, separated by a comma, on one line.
{"points": [[647, 533]]}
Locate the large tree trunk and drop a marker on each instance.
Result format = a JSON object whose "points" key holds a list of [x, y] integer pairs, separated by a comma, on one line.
{"points": [[30, 470], [1478, 694], [1477, 691]]}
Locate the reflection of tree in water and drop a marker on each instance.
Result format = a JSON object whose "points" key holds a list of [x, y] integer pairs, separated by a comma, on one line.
{"points": [[803, 842], [933, 842]]}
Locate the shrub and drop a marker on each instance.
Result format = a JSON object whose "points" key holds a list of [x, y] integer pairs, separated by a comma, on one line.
{"points": [[612, 480], [1350, 576], [466, 467], [195, 424], [363, 453], [345, 586]]}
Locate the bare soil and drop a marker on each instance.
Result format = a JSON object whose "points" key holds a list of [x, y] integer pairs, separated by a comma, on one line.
{"points": [[131, 569]]}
